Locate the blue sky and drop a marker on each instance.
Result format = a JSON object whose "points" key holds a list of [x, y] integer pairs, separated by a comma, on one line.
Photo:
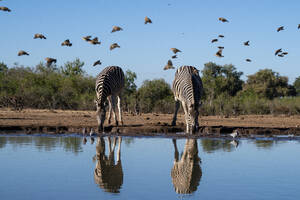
{"points": [[188, 25]]}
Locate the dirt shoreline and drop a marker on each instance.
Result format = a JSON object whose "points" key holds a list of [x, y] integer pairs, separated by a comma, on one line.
{"points": [[31, 121]]}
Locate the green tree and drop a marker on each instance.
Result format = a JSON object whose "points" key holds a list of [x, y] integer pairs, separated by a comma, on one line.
{"points": [[297, 85], [129, 93], [73, 68]]}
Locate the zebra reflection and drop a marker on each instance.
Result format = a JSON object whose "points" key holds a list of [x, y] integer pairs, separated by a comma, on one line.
{"points": [[108, 174], [186, 172]]}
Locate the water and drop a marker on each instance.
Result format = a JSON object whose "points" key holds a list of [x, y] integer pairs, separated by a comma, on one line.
{"points": [[147, 168]]}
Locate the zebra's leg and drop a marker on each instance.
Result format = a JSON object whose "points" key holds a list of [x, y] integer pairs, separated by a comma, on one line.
{"points": [[119, 148], [120, 109], [113, 102], [176, 154], [109, 109], [177, 104], [184, 105]]}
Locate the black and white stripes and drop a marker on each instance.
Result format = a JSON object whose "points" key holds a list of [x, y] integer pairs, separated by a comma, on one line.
{"points": [[187, 88]]}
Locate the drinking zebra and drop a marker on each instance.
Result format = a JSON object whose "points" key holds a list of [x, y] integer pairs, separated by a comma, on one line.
{"points": [[187, 88], [109, 85]]}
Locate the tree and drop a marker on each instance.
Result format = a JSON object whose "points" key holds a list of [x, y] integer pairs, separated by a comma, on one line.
{"points": [[129, 93], [297, 86], [268, 84], [73, 68]]}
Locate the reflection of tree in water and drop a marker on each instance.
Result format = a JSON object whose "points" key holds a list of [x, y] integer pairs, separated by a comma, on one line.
{"points": [[108, 174], [72, 144], [266, 144], [128, 141], [210, 145], [186, 172]]}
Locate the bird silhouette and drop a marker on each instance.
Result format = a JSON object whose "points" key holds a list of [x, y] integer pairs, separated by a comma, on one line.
{"points": [[214, 40], [222, 19], [169, 65], [38, 35], [298, 26], [219, 53], [175, 56], [248, 60], [116, 28], [98, 62], [148, 20], [281, 55], [94, 41], [220, 47], [221, 36], [87, 38], [175, 50], [113, 46], [284, 53], [278, 51], [247, 43], [281, 28], [21, 53], [5, 9], [50, 61], [66, 43]]}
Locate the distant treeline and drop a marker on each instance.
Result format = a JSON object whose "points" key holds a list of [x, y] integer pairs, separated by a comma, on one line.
{"points": [[69, 87]]}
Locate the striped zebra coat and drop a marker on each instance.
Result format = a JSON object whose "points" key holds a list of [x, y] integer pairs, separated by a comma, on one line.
{"points": [[188, 89], [109, 85]]}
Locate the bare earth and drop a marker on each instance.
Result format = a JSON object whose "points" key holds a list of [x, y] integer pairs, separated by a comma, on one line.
{"points": [[60, 121]]}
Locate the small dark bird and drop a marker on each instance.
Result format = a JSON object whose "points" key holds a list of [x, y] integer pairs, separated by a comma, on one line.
{"points": [[222, 19], [98, 62], [175, 50], [247, 43], [298, 26], [220, 47], [87, 38], [281, 28], [116, 28], [66, 43], [38, 35], [113, 46], [94, 41], [50, 61], [219, 53], [284, 53], [248, 60], [21, 53], [169, 65], [278, 51], [221, 36], [5, 9], [148, 20], [281, 55], [214, 40], [175, 56]]}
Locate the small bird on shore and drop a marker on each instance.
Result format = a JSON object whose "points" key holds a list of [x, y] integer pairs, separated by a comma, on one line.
{"points": [[214, 40], [281, 28], [173, 57], [66, 43], [84, 132], [116, 28], [169, 65], [222, 19], [219, 53], [221, 36], [235, 133], [175, 50], [50, 61], [94, 41], [113, 46], [248, 60], [38, 35], [98, 62], [87, 38], [148, 20], [92, 132], [247, 43], [278, 51], [21, 53], [5, 9]]}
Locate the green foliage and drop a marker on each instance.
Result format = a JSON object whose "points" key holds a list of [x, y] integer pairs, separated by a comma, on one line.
{"points": [[130, 91], [73, 68], [297, 85]]}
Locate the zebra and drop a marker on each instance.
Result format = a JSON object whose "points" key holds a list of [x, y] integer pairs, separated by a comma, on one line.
{"points": [[109, 85], [187, 88]]}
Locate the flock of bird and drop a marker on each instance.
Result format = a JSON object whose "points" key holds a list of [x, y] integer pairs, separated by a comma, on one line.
{"points": [[147, 20]]}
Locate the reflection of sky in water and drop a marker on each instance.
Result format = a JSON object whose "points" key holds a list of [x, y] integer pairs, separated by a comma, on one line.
{"points": [[63, 168]]}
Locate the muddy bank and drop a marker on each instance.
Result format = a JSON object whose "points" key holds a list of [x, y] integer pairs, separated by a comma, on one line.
{"points": [[72, 122]]}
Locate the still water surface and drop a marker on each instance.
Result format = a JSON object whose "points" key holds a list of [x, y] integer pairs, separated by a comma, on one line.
{"points": [[35, 167]]}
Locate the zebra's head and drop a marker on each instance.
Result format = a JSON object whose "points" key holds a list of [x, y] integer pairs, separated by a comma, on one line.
{"points": [[101, 112]]}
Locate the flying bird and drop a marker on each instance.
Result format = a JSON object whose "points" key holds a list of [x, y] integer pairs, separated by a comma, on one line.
{"points": [[5, 9], [281, 28], [278, 51], [298, 26], [66, 43], [281, 55], [247, 43], [116, 28], [284, 53], [219, 53], [222, 19], [169, 65], [98, 62], [21, 53], [248, 60], [87, 38], [113, 46], [175, 50], [50, 61], [38, 35], [220, 47], [148, 20], [214, 40], [221, 36], [175, 56], [94, 41]]}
